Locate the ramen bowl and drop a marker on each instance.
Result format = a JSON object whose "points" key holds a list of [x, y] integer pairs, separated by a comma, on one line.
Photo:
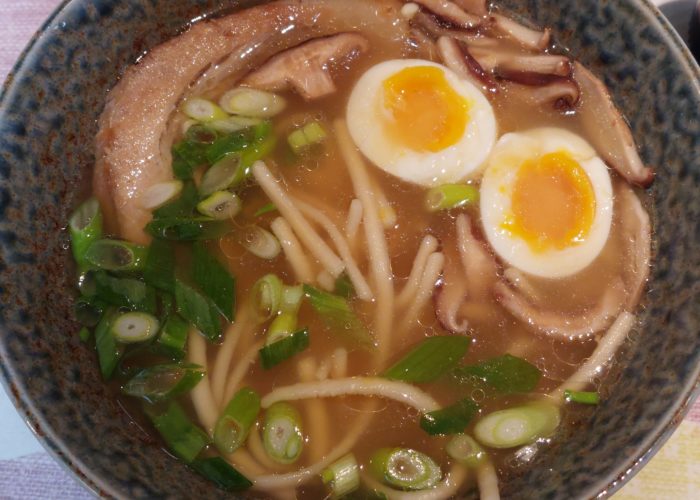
{"points": [[48, 112]]}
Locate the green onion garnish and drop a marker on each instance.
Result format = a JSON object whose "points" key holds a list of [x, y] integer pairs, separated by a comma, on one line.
{"points": [[187, 156], [234, 424], [134, 327], [220, 205], [266, 297], [306, 136], [183, 438], [260, 242], [221, 175], [281, 327], [220, 472], [116, 255], [183, 206], [582, 397], [129, 293], [404, 468], [203, 110], [159, 270], [173, 337], [342, 476], [84, 334], [187, 228], [231, 143], [159, 194], [450, 196], [233, 124], [252, 102], [280, 350], [214, 280], [344, 287], [291, 299], [517, 426], [85, 227], [507, 374], [201, 134], [109, 351], [87, 312], [282, 433], [161, 382], [465, 450], [336, 313], [430, 360], [197, 310], [265, 209], [450, 420]]}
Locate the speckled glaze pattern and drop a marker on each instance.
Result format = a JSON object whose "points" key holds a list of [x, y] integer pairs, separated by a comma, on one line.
{"points": [[48, 114]]}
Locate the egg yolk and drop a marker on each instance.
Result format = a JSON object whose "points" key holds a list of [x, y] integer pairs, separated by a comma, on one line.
{"points": [[425, 113], [553, 204]]}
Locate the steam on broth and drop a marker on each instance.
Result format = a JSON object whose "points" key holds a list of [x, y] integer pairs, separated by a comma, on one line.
{"points": [[361, 248]]}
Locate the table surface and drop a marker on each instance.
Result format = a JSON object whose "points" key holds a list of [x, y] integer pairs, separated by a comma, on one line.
{"points": [[27, 471]]}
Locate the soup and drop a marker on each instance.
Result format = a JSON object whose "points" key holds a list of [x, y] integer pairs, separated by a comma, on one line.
{"points": [[365, 248]]}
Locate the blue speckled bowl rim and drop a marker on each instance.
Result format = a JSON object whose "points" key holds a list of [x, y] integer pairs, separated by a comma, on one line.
{"points": [[604, 488]]}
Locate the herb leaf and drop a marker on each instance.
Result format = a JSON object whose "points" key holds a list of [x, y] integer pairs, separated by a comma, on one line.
{"points": [[507, 374], [430, 360], [450, 420], [214, 280]]}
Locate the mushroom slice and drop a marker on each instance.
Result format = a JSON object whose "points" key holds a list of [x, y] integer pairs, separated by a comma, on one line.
{"points": [[562, 325], [432, 27], [306, 68], [476, 7], [608, 130], [456, 56], [527, 37], [449, 295], [507, 64], [479, 265], [450, 13], [559, 93], [636, 229]]}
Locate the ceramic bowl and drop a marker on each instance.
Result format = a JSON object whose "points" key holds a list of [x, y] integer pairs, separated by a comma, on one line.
{"points": [[48, 114]]}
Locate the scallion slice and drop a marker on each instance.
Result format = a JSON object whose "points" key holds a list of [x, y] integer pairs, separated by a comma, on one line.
{"points": [[233, 124], [214, 279], [228, 144], [202, 134], [130, 293], [159, 270], [405, 469], [291, 299], [582, 397], [450, 196], [507, 374], [260, 242], [221, 175], [160, 382], [517, 426], [220, 472], [266, 297], [187, 156], [265, 209], [280, 350], [343, 287], [109, 351], [198, 310], [336, 313], [203, 110], [85, 227], [173, 337], [430, 360], [116, 255], [252, 102], [134, 327], [187, 228], [159, 194], [450, 420], [234, 424], [281, 327], [88, 312], [306, 136], [342, 476], [465, 450], [220, 205], [182, 206], [283, 437], [183, 438]]}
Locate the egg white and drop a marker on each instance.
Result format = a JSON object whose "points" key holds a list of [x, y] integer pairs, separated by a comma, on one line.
{"points": [[511, 151], [461, 161]]}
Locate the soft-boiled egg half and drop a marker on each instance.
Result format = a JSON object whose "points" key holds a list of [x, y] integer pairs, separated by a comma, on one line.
{"points": [[417, 120], [546, 202]]}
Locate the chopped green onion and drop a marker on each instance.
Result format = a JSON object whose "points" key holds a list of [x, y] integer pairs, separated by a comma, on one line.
{"points": [[228, 144], [183, 438], [450, 196], [266, 297], [173, 337], [159, 270], [430, 360], [214, 280], [507, 374], [221, 175], [87, 312], [109, 351], [265, 209], [233, 124], [203, 110], [405, 469], [161, 382], [159, 194], [84, 334], [336, 313], [252, 102], [273, 354], [517, 426], [116, 255], [291, 299], [234, 424], [583, 397], [220, 472], [281, 327], [130, 293], [282, 433], [220, 205], [133, 327], [201, 134], [344, 287], [197, 310], [465, 450], [342, 476], [306, 136], [187, 156], [258, 150], [85, 227], [450, 420], [187, 228], [182, 206], [260, 242]]}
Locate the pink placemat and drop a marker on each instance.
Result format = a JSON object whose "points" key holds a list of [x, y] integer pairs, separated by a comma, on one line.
{"points": [[26, 473]]}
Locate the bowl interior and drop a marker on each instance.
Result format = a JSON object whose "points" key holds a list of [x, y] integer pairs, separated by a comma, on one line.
{"points": [[48, 117]]}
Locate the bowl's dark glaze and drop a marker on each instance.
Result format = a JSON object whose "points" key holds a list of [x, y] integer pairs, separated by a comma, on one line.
{"points": [[47, 124]]}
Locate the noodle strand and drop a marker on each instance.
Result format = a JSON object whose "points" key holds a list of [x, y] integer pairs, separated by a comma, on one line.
{"points": [[292, 250]]}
